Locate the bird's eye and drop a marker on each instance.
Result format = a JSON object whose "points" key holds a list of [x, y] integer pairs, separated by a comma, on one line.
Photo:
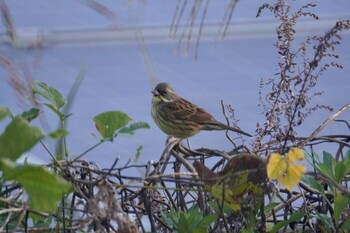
{"points": [[162, 92]]}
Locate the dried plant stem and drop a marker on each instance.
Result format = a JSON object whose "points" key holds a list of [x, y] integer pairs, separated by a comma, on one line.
{"points": [[325, 123]]}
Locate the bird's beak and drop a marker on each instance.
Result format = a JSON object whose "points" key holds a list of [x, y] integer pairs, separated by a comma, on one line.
{"points": [[155, 93]]}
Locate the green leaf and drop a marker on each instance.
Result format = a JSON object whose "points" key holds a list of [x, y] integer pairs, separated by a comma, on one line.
{"points": [[278, 226], [251, 220], [174, 218], [347, 155], [315, 162], [270, 206], [50, 94], [73, 91], [199, 229], [58, 133], [327, 221], [183, 224], [226, 208], [340, 172], [346, 161], [31, 114], [296, 216], [340, 202], [165, 218], [108, 122], [138, 152], [18, 138], [314, 184], [44, 188], [329, 163], [193, 217], [345, 226], [58, 113], [4, 112], [324, 169], [130, 130], [40, 221], [208, 219]]}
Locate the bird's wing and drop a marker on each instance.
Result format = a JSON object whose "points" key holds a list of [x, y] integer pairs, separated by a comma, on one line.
{"points": [[185, 110]]}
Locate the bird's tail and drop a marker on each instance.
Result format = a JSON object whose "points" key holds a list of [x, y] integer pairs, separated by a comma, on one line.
{"points": [[219, 126], [237, 130]]}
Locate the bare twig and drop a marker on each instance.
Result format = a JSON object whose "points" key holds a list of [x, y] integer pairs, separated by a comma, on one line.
{"points": [[325, 123]]}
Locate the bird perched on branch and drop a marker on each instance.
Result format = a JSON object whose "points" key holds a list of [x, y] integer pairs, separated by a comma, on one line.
{"points": [[180, 118]]}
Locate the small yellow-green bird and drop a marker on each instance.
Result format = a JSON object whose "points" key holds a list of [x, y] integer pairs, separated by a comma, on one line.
{"points": [[241, 183], [180, 118]]}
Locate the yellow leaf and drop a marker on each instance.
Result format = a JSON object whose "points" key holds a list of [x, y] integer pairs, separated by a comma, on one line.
{"points": [[276, 166], [292, 176], [285, 170], [295, 154], [296, 171]]}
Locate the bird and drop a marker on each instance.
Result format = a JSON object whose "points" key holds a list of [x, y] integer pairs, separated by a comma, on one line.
{"points": [[241, 183], [180, 118]]}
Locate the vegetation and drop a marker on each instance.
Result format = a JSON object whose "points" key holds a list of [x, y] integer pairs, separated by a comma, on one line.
{"points": [[238, 193]]}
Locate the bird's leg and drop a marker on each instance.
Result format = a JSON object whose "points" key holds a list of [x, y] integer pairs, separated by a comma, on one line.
{"points": [[171, 142], [172, 139], [188, 143]]}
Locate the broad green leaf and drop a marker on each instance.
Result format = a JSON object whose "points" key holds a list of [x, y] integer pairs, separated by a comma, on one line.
{"points": [[4, 112], [138, 152], [18, 138], [324, 169], [346, 161], [50, 94], [340, 172], [133, 127], [31, 114], [329, 162], [58, 133], [108, 122], [347, 154], [44, 188], [340, 202]]}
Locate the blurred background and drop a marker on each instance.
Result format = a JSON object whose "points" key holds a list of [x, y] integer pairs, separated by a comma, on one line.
{"points": [[117, 45]]}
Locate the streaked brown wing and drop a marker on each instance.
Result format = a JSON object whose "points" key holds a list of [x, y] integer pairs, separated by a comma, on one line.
{"points": [[185, 110]]}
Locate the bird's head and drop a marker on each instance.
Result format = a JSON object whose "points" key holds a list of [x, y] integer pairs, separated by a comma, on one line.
{"points": [[163, 92]]}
